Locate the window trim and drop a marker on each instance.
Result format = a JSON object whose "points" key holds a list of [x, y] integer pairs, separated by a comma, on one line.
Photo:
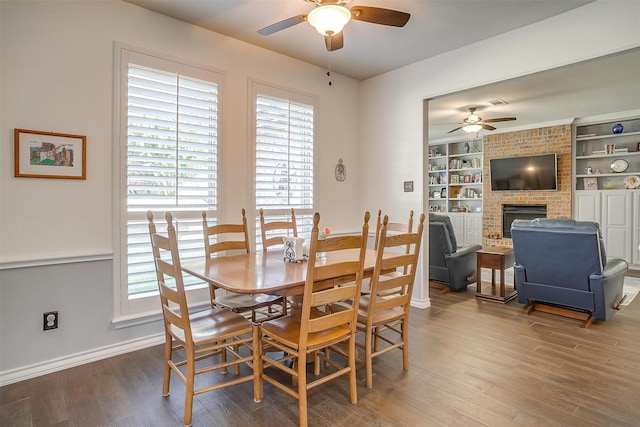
{"points": [[124, 308], [269, 89]]}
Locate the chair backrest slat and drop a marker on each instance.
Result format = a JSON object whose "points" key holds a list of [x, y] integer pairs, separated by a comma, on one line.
{"points": [[226, 237], [284, 228], [392, 226]]}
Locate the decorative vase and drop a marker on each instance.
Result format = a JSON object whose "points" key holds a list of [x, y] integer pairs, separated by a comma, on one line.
{"points": [[617, 128], [465, 147]]}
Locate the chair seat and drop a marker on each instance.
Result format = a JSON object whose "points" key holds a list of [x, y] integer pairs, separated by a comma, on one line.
{"points": [[214, 325], [379, 318], [244, 302], [287, 330]]}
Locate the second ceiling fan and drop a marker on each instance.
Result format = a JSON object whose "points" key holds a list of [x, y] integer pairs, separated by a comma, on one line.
{"points": [[473, 122], [330, 16]]}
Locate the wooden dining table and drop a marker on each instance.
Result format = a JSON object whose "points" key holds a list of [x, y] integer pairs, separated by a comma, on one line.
{"points": [[266, 272]]}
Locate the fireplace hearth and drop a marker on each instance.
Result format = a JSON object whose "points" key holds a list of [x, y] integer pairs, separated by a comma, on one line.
{"points": [[512, 212]]}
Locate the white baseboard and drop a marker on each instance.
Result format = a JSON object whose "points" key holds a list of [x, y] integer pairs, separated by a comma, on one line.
{"points": [[59, 364], [420, 303]]}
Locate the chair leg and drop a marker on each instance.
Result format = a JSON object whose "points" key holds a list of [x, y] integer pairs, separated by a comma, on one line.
{"points": [[368, 362], [302, 387], [353, 384], [188, 396], [166, 374], [257, 365], [405, 343], [223, 359]]}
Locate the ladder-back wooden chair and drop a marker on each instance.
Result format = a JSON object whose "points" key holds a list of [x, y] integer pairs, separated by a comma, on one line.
{"points": [[304, 335], [281, 228], [206, 334], [219, 239], [383, 315]]}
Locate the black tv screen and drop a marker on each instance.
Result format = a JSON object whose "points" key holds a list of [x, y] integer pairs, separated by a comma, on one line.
{"points": [[524, 173]]}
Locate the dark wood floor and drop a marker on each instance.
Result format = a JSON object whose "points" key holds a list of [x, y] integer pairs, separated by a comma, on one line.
{"points": [[472, 363]]}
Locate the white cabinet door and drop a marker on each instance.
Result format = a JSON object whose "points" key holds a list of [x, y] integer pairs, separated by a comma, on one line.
{"points": [[457, 221], [467, 227], [635, 246], [473, 229], [587, 207], [616, 223]]}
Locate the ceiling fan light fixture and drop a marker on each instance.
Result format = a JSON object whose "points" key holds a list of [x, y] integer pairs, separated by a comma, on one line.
{"points": [[329, 19], [471, 128]]}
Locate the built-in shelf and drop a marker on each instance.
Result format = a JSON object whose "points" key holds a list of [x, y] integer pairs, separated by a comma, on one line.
{"points": [[592, 140], [455, 169]]}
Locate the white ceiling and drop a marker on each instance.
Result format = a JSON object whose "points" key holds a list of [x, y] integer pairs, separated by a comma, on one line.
{"points": [[435, 27], [595, 87]]}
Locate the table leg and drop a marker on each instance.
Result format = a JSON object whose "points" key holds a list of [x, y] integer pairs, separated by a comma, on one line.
{"points": [[502, 282]]}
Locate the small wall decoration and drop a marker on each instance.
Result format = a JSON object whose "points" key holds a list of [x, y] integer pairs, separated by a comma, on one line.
{"points": [[341, 171], [408, 186], [49, 155]]}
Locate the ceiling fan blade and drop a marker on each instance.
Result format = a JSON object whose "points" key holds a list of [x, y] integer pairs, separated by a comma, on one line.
{"points": [[499, 119], [282, 25], [451, 131], [487, 127], [378, 15], [334, 42]]}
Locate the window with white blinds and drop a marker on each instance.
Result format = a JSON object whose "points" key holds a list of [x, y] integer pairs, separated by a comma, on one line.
{"points": [[171, 161], [284, 157]]}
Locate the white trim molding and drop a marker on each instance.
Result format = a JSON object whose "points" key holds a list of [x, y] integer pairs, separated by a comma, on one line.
{"points": [[27, 372], [55, 260], [420, 303]]}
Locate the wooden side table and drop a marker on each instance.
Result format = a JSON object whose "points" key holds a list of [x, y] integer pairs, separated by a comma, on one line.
{"points": [[495, 258]]}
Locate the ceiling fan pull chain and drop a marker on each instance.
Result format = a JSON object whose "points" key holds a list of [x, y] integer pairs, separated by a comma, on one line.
{"points": [[329, 70]]}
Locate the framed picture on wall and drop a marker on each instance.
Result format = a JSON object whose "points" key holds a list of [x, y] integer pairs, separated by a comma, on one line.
{"points": [[40, 154]]}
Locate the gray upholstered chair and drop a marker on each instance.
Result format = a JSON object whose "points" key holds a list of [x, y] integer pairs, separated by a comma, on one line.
{"points": [[450, 267], [561, 267]]}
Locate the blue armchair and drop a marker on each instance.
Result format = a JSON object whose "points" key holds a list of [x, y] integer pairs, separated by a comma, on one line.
{"points": [[561, 267], [450, 267]]}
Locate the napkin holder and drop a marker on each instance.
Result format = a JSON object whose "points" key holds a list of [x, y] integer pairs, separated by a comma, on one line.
{"points": [[293, 251]]}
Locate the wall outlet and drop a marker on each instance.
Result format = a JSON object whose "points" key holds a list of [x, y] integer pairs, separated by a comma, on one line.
{"points": [[49, 320]]}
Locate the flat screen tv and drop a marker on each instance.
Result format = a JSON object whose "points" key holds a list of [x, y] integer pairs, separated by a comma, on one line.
{"points": [[524, 173]]}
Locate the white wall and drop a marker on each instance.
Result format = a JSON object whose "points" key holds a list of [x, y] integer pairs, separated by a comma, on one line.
{"points": [[56, 243], [392, 124]]}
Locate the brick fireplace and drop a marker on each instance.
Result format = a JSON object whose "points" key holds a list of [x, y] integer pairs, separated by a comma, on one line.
{"points": [[553, 139]]}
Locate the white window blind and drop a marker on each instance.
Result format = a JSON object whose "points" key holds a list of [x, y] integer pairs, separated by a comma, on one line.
{"points": [[284, 159], [171, 165]]}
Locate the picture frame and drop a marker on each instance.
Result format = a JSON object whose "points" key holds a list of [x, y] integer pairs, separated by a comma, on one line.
{"points": [[39, 154], [467, 179], [590, 183], [436, 194]]}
